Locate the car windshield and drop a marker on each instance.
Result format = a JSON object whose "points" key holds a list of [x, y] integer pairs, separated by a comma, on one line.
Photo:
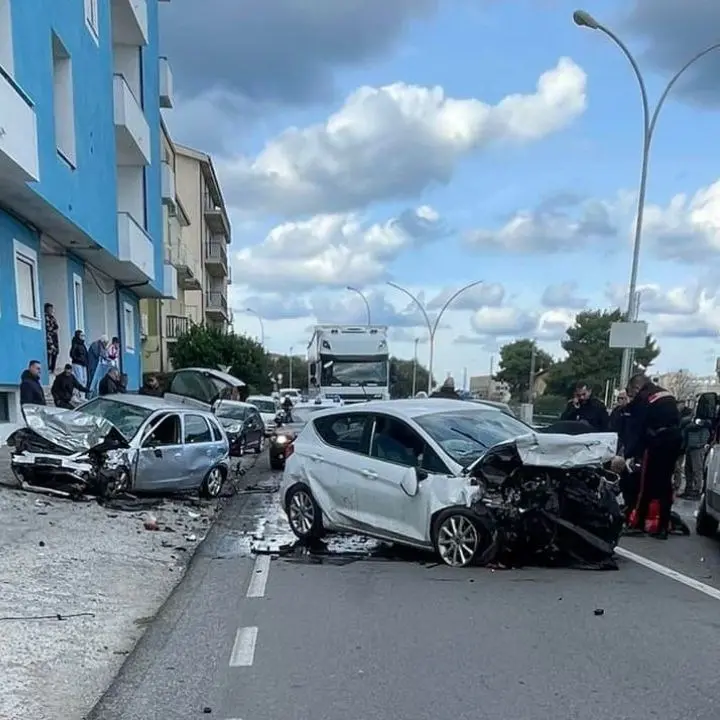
{"points": [[300, 416], [468, 434], [125, 417], [344, 373], [264, 406], [232, 412]]}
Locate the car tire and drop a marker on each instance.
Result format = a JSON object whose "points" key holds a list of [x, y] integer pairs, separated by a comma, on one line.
{"points": [[212, 483], [705, 525], [276, 464], [303, 512], [461, 538], [260, 446]]}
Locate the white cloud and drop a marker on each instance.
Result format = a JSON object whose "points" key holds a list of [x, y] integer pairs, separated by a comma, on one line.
{"points": [[563, 295], [654, 300], [503, 322], [563, 223], [334, 250], [394, 142], [486, 294]]}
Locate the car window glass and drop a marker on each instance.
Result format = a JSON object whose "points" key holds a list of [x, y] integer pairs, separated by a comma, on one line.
{"points": [[216, 434], [347, 431], [127, 418], [395, 441], [166, 432], [192, 385], [197, 429]]}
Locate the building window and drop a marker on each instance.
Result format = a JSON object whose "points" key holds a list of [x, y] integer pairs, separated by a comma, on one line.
{"points": [[91, 19], [79, 303], [63, 102], [6, 39], [27, 287], [129, 327]]}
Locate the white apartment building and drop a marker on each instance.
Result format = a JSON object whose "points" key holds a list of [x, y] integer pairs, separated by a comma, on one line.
{"points": [[197, 236]]}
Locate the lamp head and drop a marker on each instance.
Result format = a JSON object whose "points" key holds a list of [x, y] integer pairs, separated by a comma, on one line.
{"points": [[583, 18]]}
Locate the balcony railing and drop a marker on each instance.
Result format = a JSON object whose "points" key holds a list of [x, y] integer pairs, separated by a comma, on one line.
{"points": [[216, 300], [216, 252], [176, 325]]}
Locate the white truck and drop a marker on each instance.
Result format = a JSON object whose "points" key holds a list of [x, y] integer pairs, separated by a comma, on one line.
{"points": [[349, 362]]}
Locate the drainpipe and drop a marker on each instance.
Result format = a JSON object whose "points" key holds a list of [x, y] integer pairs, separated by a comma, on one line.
{"points": [[121, 326]]}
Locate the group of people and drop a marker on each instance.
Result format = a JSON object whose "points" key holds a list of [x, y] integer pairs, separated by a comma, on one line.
{"points": [[660, 449]]}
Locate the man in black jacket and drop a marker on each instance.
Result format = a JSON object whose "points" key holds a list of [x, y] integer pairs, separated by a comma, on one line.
{"points": [[586, 408], [31, 391], [654, 444], [63, 387], [447, 390]]}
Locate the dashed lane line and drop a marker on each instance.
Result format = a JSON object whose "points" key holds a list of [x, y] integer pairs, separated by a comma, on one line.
{"points": [[243, 651], [669, 573], [258, 581]]}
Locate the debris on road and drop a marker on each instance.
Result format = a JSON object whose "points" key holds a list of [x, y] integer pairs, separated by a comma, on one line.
{"points": [[75, 578]]}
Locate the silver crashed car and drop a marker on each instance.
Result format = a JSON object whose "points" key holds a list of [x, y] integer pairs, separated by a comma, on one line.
{"points": [[122, 442], [463, 479]]}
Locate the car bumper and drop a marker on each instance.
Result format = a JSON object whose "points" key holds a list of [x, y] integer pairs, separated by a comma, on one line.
{"points": [[234, 442]]}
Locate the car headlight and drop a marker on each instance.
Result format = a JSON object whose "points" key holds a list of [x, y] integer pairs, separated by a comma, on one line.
{"points": [[233, 429], [281, 439]]}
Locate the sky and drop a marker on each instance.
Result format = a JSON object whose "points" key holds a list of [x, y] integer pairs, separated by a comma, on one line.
{"points": [[437, 143]]}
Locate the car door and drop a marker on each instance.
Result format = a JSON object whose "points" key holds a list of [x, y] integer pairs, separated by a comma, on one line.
{"points": [[712, 475], [201, 451], [159, 465], [333, 463], [254, 427], [395, 447]]}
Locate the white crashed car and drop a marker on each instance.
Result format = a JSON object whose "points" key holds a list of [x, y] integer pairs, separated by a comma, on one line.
{"points": [[425, 473]]}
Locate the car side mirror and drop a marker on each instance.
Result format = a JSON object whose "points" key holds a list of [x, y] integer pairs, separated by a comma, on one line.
{"points": [[421, 474], [409, 482]]}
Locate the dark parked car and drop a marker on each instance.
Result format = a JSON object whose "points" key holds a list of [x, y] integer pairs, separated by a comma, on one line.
{"points": [[243, 425], [282, 439], [202, 387]]}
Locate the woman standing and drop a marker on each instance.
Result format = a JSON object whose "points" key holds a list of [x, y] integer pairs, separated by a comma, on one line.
{"points": [[113, 351], [52, 341]]}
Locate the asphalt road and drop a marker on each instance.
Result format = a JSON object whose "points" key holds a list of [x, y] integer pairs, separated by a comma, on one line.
{"points": [[352, 637]]}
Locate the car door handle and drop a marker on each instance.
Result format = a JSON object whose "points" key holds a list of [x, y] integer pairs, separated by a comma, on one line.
{"points": [[370, 474], [158, 452]]}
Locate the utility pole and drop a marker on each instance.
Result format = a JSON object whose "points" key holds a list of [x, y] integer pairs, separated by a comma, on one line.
{"points": [[464, 378], [414, 375], [531, 384], [290, 364]]}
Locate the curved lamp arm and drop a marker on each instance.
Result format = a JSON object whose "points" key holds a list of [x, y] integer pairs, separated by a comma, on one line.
{"points": [[449, 301], [419, 305]]}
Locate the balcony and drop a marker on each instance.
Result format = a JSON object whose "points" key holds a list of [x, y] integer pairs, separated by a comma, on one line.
{"points": [[170, 281], [216, 217], [132, 132], [188, 274], [216, 260], [176, 325], [135, 249], [129, 22], [168, 185], [216, 305], [19, 161], [166, 84]]}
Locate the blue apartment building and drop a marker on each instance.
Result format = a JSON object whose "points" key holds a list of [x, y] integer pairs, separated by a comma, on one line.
{"points": [[81, 87]]}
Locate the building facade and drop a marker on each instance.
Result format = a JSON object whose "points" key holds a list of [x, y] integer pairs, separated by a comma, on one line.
{"points": [[81, 219], [197, 236]]}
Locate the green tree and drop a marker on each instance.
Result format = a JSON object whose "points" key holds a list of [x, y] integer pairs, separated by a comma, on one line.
{"points": [[281, 364], [515, 364], [401, 373], [211, 348], [590, 357]]}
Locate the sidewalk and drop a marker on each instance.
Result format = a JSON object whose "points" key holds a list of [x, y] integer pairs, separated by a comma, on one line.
{"points": [[78, 584]]}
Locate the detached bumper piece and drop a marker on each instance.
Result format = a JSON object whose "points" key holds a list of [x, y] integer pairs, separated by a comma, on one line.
{"points": [[549, 516]]}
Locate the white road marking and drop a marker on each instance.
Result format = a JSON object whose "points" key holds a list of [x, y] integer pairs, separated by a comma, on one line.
{"points": [[243, 652], [259, 578], [669, 573]]}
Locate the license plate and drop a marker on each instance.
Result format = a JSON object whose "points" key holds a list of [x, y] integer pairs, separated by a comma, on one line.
{"points": [[54, 462]]}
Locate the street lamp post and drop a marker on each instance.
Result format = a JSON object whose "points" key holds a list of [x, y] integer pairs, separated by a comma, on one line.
{"points": [[414, 375], [585, 19], [290, 368], [364, 299], [433, 327], [262, 324]]}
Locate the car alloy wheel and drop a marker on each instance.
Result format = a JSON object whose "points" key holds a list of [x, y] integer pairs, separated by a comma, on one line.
{"points": [[301, 513], [213, 482], [458, 540]]}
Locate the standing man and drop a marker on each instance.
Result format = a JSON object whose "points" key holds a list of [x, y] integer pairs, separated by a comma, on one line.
{"points": [[696, 436], [31, 391], [447, 390], [655, 446], [620, 418], [63, 388], [586, 408]]}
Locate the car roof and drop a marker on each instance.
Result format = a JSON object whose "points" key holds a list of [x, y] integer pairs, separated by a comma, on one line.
{"points": [[269, 398], [234, 403], [149, 402], [410, 408]]}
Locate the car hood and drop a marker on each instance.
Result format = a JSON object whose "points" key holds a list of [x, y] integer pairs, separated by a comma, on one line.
{"points": [[228, 422], [558, 451], [71, 430]]}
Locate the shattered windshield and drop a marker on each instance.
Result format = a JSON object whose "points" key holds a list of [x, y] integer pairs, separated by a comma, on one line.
{"points": [[231, 412], [126, 418], [468, 434]]}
